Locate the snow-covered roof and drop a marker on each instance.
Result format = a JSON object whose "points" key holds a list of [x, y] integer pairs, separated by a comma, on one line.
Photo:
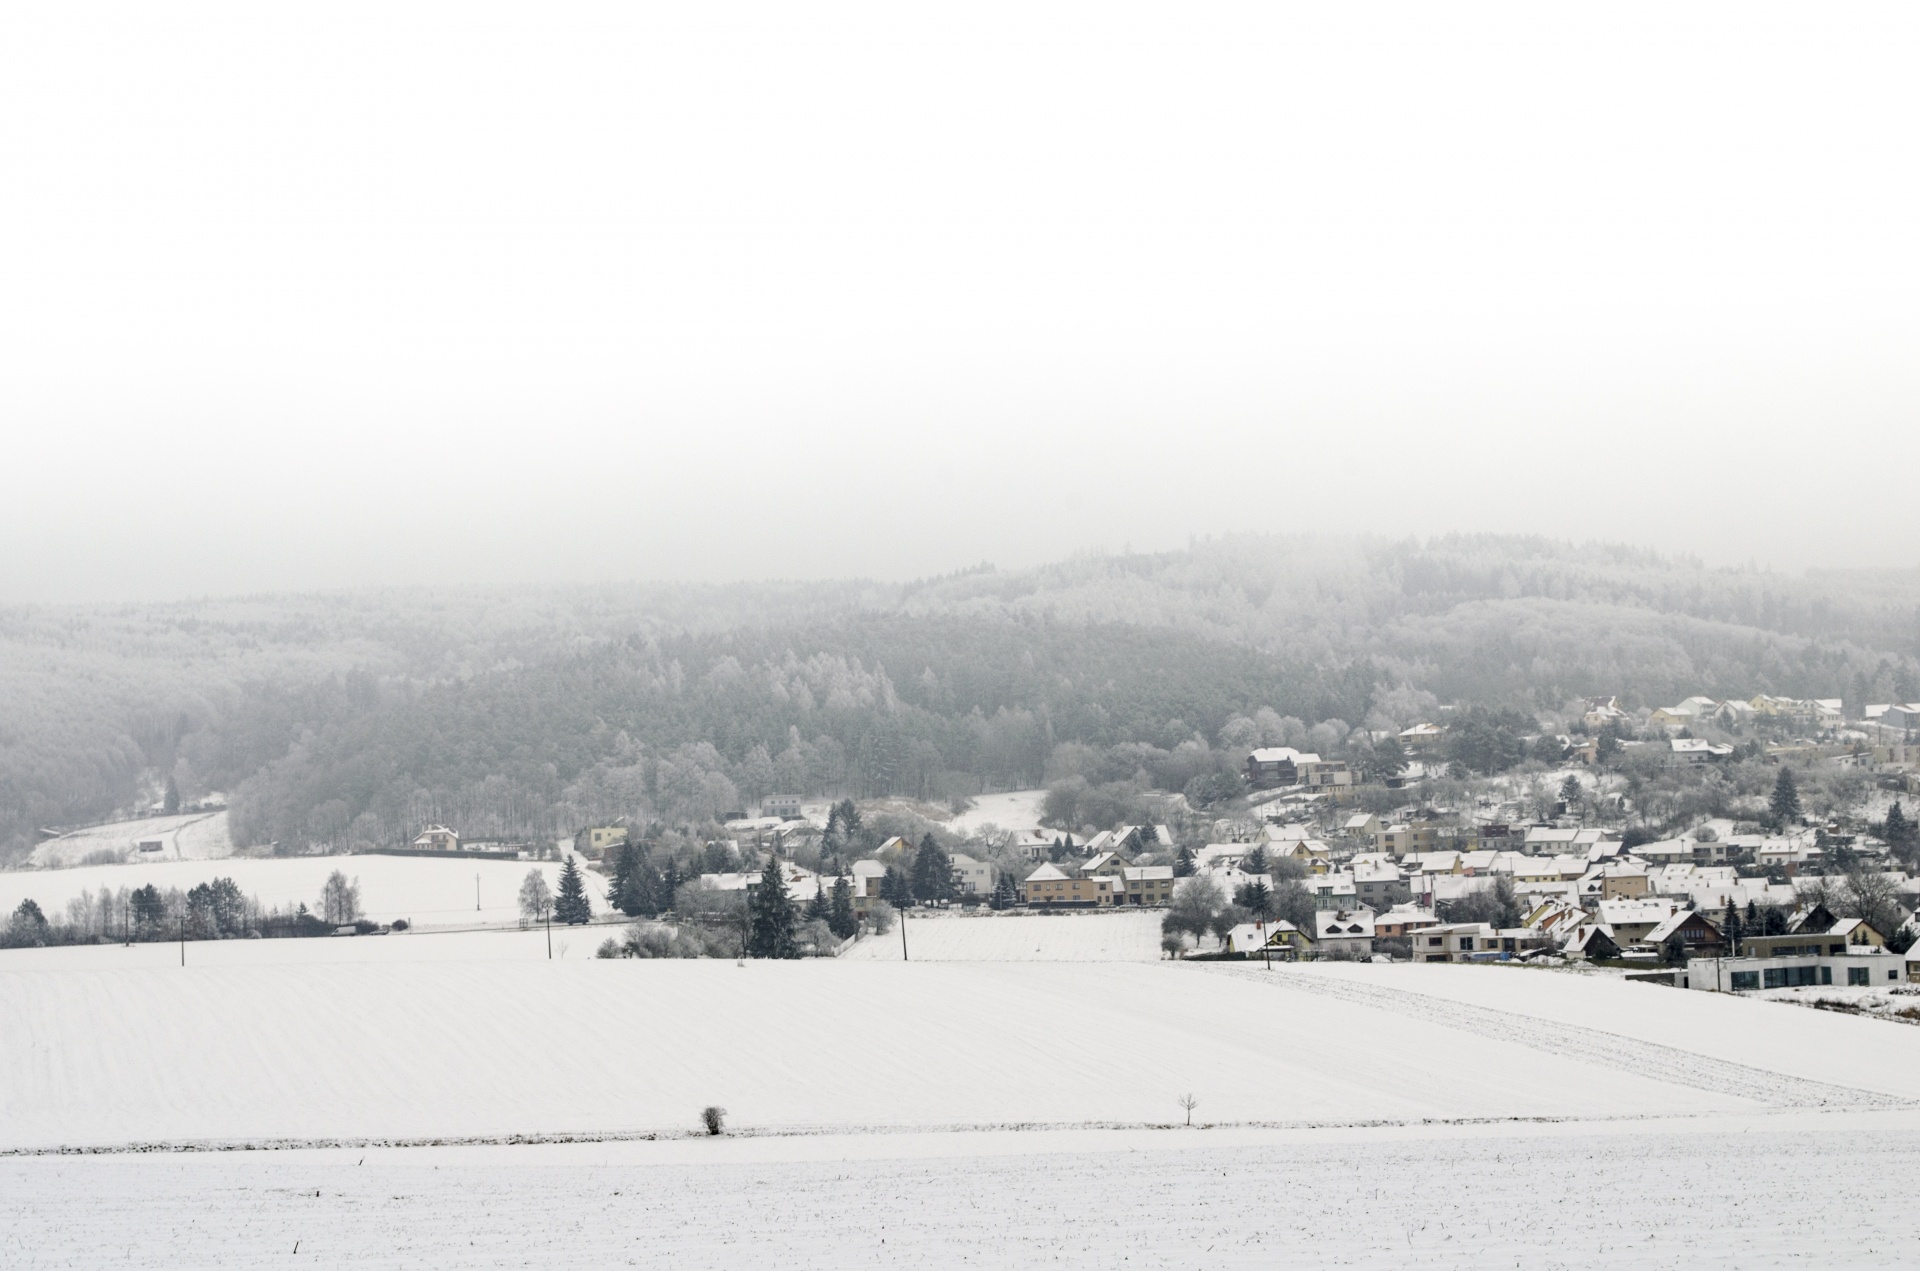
{"points": [[1284, 754], [1673, 922], [1048, 872], [1620, 913], [1343, 924]]}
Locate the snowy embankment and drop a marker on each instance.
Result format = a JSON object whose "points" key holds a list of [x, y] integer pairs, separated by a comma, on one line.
{"points": [[387, 1046], [1018, 937], [421, 889], [191, 836]]}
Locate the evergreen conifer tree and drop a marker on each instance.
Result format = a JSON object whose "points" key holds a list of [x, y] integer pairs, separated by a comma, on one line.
{"points": [[1899, 832], [1730, 923], [771, 916], [1785, 802], [171, 804], [621, 892], [817, 909], [1005, 894], [841, 919], [571, 905], [932, 871], [1183, 863], [896, 888]]}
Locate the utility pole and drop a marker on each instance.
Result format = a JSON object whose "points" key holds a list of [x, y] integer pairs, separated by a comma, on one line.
{"points": [[903, 937], [548, 907], [476, 893], [183, 939]]}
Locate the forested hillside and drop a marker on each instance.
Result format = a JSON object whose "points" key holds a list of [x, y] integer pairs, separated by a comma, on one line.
{"points": [[339, 719]]}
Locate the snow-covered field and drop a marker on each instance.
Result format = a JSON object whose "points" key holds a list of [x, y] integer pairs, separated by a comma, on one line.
{"points": [[1720, 1193], [194, 836], [379, 1044], [1018, 937], [929, 1113], [1010, 810], [425, 891]]}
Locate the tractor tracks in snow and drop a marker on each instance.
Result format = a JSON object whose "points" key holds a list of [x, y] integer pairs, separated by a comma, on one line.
{"points": [[1594, 1046]]}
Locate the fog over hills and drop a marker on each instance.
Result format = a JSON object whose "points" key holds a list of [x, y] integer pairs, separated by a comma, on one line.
{"points": [[337, 718]]}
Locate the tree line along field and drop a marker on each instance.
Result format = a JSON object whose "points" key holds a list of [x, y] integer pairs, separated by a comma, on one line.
{"points": [[424, 891]]}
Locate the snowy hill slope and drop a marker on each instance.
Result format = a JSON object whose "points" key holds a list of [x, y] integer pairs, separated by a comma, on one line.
{"points": [[402, 1049], [192, 836]]}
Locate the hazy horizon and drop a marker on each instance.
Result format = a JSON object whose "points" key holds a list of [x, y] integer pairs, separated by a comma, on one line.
{"points": [[464, 296]]}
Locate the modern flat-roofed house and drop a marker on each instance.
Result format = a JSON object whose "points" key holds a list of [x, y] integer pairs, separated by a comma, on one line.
{"points": [[784, 806], [437, 838], [1455, 942], [1857, 968], [1051, 887]]}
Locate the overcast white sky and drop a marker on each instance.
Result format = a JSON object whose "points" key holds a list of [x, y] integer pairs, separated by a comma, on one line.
{"points": [[311, 296]]}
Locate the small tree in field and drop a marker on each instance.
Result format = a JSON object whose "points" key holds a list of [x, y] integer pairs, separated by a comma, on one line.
{"points": [[572, 905], [340, 899], [1189, 1103], [534, 897], [714, 1118]]}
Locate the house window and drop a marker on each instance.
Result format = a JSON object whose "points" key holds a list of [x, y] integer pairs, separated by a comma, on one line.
{"points": [[1744, 980], [1776, 977], [1466, 944], [1859, 977]]}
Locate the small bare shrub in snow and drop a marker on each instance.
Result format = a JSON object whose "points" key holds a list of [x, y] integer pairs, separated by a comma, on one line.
{"points": [[714, 1118], [881, 916]]}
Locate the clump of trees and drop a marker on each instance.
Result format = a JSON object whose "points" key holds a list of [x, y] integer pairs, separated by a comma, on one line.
{"points": [[214, 910]]}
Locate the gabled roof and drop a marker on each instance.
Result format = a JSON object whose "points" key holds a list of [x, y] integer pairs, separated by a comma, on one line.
{"points": [[1343, 924], [1048, 873], [1677, 920]]}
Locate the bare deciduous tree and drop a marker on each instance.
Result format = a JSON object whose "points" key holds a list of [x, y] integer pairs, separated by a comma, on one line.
{"points": [[340, 899], [535, 897], [1189, 1102]]}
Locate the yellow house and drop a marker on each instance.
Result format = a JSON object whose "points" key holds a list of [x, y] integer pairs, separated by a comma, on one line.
{"points": [[602, 837], [1050, 887]]}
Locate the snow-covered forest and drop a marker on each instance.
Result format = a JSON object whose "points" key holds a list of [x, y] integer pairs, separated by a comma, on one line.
{"points": [[336, 719]]}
